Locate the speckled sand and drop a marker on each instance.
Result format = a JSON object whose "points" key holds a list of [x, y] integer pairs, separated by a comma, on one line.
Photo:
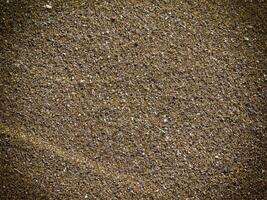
{"points": [[133, 100]]}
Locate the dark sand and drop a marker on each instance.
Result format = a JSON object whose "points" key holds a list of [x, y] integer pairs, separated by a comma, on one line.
{"points": [[133, 100]]}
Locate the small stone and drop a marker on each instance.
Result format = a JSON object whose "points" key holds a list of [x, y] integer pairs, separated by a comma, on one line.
{"points": [[48, 6], [246, 38], [167, 138], [226, 170]]}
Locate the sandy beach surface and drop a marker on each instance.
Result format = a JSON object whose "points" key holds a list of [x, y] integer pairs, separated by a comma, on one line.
{"points": [[133, 100]]}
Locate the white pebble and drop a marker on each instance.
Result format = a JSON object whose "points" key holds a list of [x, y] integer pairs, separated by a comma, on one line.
{"points": [[48, 6]]}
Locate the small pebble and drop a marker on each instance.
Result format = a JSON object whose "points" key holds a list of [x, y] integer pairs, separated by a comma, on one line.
{"points": [[48, 6]]}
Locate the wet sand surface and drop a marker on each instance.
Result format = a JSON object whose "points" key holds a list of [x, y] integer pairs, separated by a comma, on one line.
{"points": [[133, 99]]}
